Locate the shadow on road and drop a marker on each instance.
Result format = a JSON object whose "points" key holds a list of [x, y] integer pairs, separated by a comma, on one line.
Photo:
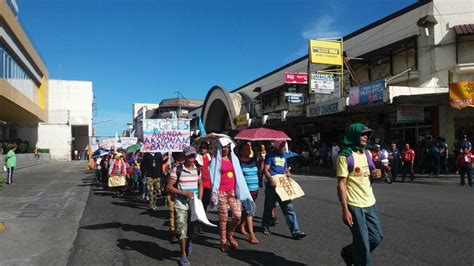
{"points": [[258, 257], [148, 249]]}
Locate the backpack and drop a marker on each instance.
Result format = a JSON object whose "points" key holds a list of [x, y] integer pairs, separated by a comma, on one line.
{"points": [[350, 161]]}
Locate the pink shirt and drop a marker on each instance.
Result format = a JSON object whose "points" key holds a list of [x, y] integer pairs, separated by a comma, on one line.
{"points": [[227, 176]]}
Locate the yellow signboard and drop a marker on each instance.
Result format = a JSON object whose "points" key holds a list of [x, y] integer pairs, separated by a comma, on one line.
{"points": [[461, 94], [241, 120], [325, 52]]}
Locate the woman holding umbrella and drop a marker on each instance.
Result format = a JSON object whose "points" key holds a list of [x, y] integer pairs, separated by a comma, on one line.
{"points": [[229, 189]]}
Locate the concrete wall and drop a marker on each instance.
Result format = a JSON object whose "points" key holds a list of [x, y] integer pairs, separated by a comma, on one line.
{"points": [[57, 138]]}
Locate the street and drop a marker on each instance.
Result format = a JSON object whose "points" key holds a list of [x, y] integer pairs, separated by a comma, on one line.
{"points": [[422, 225]]}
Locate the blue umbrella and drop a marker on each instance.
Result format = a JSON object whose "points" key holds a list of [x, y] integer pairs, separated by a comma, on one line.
{"points": [[99, 153], [290, 154]]}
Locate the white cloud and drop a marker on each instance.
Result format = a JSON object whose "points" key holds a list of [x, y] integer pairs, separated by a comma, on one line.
{"points": [[323, 27]]}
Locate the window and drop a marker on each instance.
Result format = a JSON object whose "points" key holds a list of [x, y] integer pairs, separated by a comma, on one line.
{"points": [[14, 74], [465, 46]]}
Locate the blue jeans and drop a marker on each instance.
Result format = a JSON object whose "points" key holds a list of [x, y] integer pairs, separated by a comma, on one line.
{"points": [[271, 197], [366, 235]]}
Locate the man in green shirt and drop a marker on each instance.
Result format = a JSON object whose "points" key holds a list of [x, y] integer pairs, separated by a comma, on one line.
{"points": [[11, 163]]}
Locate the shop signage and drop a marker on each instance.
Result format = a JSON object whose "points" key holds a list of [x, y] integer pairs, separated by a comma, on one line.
{"points": [[410, 114], [325, 52], [242, 120], [291, 97], [296, 78], [325, 108], [354, 96], [164, 135], [371, 93], [322, 83], [461, 94]]}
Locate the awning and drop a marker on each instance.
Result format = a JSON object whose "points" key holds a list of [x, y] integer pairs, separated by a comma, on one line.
{"points": [[465, 29]]}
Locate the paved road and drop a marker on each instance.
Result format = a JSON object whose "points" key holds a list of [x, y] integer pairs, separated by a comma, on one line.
{"points": [[49, 223], [42, 211], [423, 225]]}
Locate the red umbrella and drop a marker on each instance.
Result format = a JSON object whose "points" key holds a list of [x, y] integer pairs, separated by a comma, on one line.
{"points": [[260, 134]]}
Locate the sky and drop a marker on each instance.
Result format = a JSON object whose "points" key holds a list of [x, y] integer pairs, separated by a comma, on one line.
{"points": [[144, 51]]}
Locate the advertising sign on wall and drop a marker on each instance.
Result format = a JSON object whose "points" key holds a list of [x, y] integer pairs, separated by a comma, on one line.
{"points": [[325, 52], [354, 96], [296, 78], [410, 114], [461, 94], [322, 83], [164, 135], [293, 97], [326, 108], [371, 93], [242, 119]]}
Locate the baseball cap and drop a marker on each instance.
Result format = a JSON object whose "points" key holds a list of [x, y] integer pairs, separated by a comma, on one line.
{"points": [[189, 150]]}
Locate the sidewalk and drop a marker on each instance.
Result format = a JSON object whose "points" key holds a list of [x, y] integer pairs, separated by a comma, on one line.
{"points": [[41, 212], [448, 180]]}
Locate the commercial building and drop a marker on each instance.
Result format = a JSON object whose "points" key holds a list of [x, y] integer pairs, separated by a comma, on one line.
{"points": [[69, 125], [23, 80], [406, 62]]}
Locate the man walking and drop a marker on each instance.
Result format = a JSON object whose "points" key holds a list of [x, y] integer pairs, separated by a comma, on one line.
{"points": [[185, 184], [152, 164], [359, 213], [408, 161], [275, 164]]}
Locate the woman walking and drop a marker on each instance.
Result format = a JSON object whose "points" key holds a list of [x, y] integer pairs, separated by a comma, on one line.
{"points": [[11, 163], [118, 167], [248, 163], [229, 190]]}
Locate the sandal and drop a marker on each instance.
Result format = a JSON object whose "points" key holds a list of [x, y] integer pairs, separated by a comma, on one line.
{"points": [[224, 247], [232, 241], [254, 241]]}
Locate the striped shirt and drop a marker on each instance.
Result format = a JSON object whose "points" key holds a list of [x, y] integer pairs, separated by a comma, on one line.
{"points": [[188, 181], [250, 171]]}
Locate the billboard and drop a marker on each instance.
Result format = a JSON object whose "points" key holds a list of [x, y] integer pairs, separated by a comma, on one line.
{"points": [[296, 78], [322, 83], [164, 135], [325, 52], [461, 94], [372, 92]]}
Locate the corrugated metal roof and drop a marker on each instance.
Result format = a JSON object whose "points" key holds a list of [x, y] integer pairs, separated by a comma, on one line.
{"points": [[464, 29]]}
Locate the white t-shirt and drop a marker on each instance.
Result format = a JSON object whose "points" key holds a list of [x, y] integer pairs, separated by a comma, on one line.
{"points": [[335, 150]]}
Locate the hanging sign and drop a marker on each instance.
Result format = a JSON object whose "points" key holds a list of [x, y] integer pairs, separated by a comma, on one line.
{"points": [[291, 97], [296, 78], [461, 94], [371, 93], [410, 114], [325, 52], [322, 83]]}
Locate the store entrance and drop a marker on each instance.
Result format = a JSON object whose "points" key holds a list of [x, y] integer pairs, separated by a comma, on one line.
{"points": [[412, 135]]}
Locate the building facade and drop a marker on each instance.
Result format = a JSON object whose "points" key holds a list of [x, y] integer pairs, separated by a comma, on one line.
{"points": [[69, 124], [23, 80], [401, 64]]}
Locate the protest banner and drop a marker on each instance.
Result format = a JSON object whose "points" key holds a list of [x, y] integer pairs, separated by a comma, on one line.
{"points": [[165, 135]]}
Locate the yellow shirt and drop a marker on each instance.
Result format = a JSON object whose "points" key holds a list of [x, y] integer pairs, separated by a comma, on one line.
{"points": [[359, 189]]}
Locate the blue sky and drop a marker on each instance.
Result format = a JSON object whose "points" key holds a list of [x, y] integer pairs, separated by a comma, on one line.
{"points": [[146, 50]]}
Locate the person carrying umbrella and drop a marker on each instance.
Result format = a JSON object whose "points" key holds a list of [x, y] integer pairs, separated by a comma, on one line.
{"points": [[275, 164]]}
